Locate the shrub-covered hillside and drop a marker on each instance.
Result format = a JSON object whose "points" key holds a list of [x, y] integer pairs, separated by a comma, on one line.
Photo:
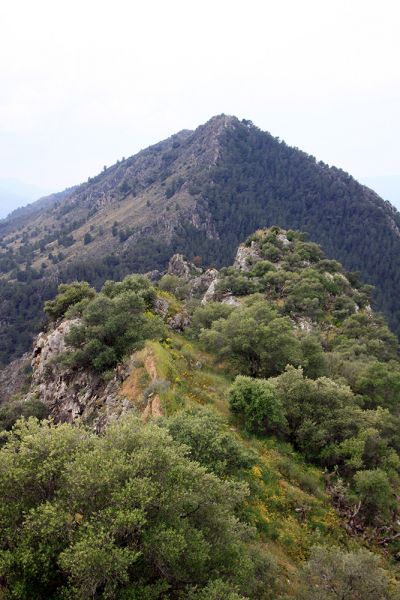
{"points": [[251, 453], [199, 194]]}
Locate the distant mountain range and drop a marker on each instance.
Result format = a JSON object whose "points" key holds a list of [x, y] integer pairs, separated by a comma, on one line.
{"points": [[15, 194], [199, 193]]}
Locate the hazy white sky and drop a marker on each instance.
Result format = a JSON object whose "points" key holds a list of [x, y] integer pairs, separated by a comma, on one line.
{"points": [[85, 82]]}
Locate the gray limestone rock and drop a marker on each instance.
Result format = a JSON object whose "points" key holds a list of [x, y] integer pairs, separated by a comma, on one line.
{"points": [[179, 321]]}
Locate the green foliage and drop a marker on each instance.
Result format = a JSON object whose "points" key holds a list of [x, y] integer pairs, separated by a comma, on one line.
{"points": [[114, 322], [371, 332], [235, 284], [122, 515], [318, 413], [204, 316], [216, 590], [375, 492], [111, 328], [138, 284], [10, 413], [175, 285], [262, 267], [68, 295], [331, 574], [256, 401], [169, 283], [255, 338], [210, 442], [379, 384], [313, 358]]}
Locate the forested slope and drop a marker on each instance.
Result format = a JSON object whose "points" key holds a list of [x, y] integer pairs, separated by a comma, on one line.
{"points": [[198, 193], [249, 453], [259, 181]]}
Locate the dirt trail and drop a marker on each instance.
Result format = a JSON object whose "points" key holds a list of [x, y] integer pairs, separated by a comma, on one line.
{"points": [[131, 387], [150, 366], [153, 408]]}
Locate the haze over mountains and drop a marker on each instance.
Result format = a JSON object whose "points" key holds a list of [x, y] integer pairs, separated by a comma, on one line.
{"points": [[198, 193], [15, 194]]}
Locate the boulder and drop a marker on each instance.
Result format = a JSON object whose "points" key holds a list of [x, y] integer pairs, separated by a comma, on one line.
{"points": [[181, 267], [179, 321]]}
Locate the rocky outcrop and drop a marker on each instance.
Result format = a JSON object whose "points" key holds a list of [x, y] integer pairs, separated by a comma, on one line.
{"points": [[153, 276], [210, 293], [160, 307], [200, 284], [13, 376], [72, 394], [246, 257], [179, 321], [48, 346], [182, 268], [179, 267], [198, 280]]}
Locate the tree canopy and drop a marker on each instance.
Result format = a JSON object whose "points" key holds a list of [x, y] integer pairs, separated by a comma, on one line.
{"points": [[125, 514]]}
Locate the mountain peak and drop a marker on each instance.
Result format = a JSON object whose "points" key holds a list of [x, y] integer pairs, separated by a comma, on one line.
{"points": [[200, 193]]}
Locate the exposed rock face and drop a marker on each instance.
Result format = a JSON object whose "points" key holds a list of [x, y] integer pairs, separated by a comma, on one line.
{"points": [[303, 324], [153, 276], [212, 296], [185, 270], [199, 284], [180, 267], [245, 255], [283, 238], [48, 346], [160, 307], [230, 301], [179, 321], [209, 295], [12, 377], [72, 394]]}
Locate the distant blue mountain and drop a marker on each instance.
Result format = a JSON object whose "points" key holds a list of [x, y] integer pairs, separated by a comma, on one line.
{"points": [[25, 190], [16, 194], [9, 202]]}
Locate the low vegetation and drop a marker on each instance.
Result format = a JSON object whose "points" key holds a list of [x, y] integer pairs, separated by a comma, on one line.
{"points": [[274, 472]]}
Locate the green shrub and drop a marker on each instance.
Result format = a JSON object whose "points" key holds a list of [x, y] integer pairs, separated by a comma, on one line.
{"points": [[68, 295], [211, 443], [122, 515], [256, 401], [10, 413], [330, 574]]}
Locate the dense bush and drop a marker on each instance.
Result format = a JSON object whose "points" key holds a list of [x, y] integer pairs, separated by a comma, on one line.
{"points": [[256, 401], [68, 295], [10, 413], [210, 443], [122, 515], [114, 322], [255, 338], [330, 574]]}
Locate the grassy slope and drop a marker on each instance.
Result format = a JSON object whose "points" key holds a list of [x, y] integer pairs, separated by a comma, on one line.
{"points": [[288, 504]]}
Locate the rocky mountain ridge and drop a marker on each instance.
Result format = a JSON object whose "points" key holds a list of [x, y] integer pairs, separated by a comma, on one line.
{"points": [[70, 395], [198, 193], [77, 394]]}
